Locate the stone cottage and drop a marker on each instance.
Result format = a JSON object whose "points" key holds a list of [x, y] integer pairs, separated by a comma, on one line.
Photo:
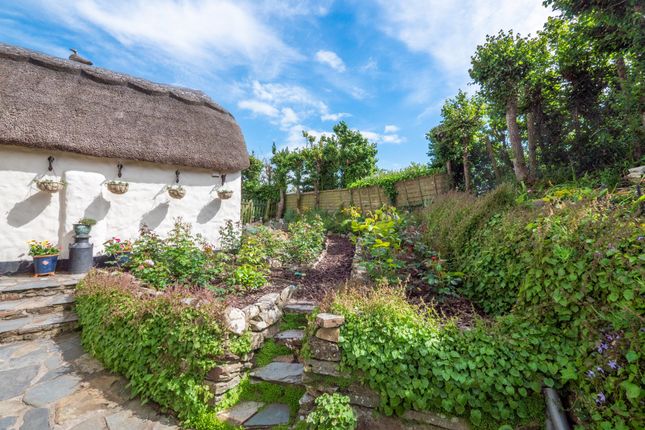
{"points": [[85, 126]]}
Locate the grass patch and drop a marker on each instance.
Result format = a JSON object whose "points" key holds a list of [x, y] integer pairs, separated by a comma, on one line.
{"points": [[293, 322], [264, 392], [269, 351]]}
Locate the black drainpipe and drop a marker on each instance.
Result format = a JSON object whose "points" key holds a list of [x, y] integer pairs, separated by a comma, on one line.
{"points": [[555, 416]]}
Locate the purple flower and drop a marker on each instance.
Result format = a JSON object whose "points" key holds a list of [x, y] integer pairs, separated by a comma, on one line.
{"points": [[603, 347], [590, 373], [600, 398], [641, 238], [613, 364], [600, 370]]}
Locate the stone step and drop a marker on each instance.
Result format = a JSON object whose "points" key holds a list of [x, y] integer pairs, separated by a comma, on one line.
{"points": [[299, 307], [291, 338], [280, 373], [19, 287], [12, 309], [272, 415], [37, 326]]}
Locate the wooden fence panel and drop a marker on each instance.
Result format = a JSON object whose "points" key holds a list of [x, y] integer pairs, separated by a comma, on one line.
{"points": [[410, 193]]}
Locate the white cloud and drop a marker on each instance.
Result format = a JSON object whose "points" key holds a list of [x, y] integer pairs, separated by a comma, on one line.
{"points": [[333, 116], [280, 94], [390, 128], [289, 117], [220, 33], [331, 59], [287, 107], [450, 31], [258, 107], [382, 138]]}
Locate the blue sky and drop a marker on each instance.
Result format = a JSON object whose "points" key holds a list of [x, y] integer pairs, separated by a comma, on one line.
{"points": [[384, 66]]}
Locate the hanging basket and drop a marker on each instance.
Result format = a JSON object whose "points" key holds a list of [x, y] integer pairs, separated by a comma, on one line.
{"points": [[224, 194], [50, 185], [176, 191], [118, 187]]}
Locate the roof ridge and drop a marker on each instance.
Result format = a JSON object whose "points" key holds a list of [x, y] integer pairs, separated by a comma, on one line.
{"points": [[109, 77]]}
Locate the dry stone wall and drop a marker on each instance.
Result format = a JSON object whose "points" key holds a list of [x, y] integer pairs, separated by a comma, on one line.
{"points": [[262, 319]]}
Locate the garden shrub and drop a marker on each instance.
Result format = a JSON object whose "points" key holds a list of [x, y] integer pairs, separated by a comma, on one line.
{"points": [[572, 260], [415, 360], [380, 234], [306, 240], [454, 217], [180, 258], [332, 412], [162, 345]]}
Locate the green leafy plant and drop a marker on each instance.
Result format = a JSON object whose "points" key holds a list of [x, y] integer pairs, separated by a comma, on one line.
{"points": [[116, 246], [332, 412], [161, 344], [306, 240], [87, 221], [380, 235], [179, 258]]}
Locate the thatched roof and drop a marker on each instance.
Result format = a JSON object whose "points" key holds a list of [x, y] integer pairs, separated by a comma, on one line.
{"points": [[51, 103]]}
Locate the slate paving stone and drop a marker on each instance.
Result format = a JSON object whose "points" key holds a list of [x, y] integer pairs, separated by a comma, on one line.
{"points": [[273, 415], [55, 373], [95, 423], [287, 373], [125, 420], [36, 419], [301, 307], [51, 391], [7, 422], [70, 346], [239, 413], [16, 381], [290, 336]]}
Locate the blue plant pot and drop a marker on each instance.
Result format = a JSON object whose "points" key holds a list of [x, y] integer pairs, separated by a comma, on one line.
{"points": [[122, 259], [45, 265]]}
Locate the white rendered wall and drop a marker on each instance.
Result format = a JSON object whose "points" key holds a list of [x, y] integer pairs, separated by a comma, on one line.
{"points": [[27, 213]]}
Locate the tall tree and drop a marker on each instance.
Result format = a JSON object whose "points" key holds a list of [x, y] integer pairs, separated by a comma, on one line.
{"points": [[462, 121], [499, 66], [356, 154]]}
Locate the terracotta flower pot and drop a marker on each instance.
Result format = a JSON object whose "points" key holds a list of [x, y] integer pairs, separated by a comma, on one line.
{"points": [[45, 264], [118, 187]]}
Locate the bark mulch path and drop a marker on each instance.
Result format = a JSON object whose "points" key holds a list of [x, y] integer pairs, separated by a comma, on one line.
{"points": [[330, 272]]}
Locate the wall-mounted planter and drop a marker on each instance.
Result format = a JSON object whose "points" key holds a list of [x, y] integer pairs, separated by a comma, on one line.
{"points": [[224, 194], [50, 185], [176, 191], [117, 187]]}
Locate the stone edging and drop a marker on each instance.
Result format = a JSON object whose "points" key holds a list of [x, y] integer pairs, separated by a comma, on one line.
{"points": [[262, 319], [358, 272]]}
